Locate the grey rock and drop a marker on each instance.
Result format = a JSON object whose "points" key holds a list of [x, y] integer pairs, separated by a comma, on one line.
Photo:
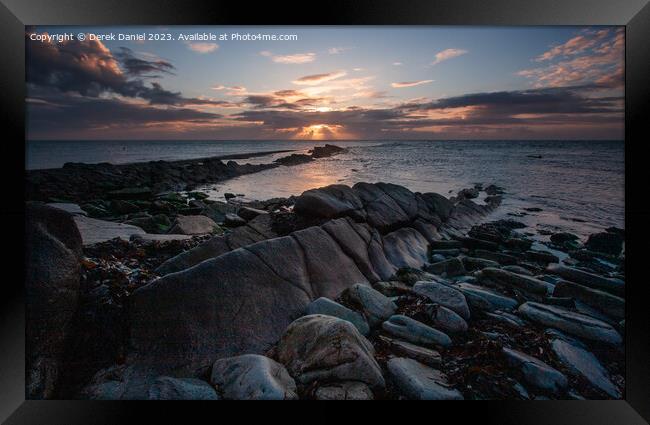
{"points": [[450, 267], [344, 391], [326, 348], [94, 231], [572, 323], [444, 295], [419, 382], [168, 388], [252, 377], [332, 308], [71, 208], [451, 244], [393, 288], [519, 270], [499, 257], [613, 286], [536, 372], [330, 202], [494, 300], [609, 304], [423, 355], [445, 319], [233, 220], [248, 213], [473, 263], [406, 247], [416, 332], [506, 318], [193, 225], [526, 283], [373, 304]]}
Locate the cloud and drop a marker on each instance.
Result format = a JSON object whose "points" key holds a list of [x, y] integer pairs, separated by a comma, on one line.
{"points": [[141, 67], [397, 64], [447, 54], [202, 47], [296, 58], [574, 46], [410, 83], [337, 50], [319, 78]]}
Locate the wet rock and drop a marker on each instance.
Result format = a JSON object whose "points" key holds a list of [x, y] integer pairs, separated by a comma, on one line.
{"points": [[419, 382], [344, 391], [437, 257], [446, 245], [493, 299], [392, 288], [541, 257], [566, 302], [248, 213], [474, 243], [506, 318], [519, 270], [494, 190], [410, 275], [613, 286], [606, 242], [416, 332], [423, 355], [609, 304], [446, 319], [167, 388], [445, 252], [294, 159], [536, 372], [326, 348], [406, 247], [332, 308], [229, 195], [438, 204], [130, 193], [233, 220], [374, 305], [450, 267], [193, 225], [580, 361], [472, 263], [572, 323], [330, 202], [52, 276], [444, 295], [563, 237], [526, 283], [499, 257], [326, 151], [469, 193], [252, 377]]}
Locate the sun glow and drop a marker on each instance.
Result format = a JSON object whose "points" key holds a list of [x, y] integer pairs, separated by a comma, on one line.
{"points": [[320, 132]]}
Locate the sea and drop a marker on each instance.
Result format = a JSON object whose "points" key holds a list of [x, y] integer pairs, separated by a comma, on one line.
{"points": [[575, 186]]}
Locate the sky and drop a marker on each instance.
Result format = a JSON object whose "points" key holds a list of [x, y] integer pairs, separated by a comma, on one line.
{"points": [[357, 83]]}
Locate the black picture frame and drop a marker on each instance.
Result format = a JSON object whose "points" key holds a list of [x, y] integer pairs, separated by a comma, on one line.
{"points": [[634, 14]]}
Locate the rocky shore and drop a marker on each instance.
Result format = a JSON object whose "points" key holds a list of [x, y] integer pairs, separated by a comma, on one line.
{"points": [[363, 292]]}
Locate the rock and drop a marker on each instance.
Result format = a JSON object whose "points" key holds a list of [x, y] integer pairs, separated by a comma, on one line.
{"points": [[294, 159], [519, 270], [52, 276], [388, 206], [444, 295], [494, 300], [419, 382], [450, 267], [130, 193], [438, 204], [469, 193], [416, 332], [323, 348], [609, 304], [156, 224], [613, 286], [326, 151], [330, 202], [542, 257], [580, 361], [406, 247], [332, 308], [436, 245], [526, 283], [423, 355], [123, 207], [248, 213], [167, 388], [437, 257], [73, 209], [344, 391], [193, 225], [506, 318], [252, 377], [563, 237], [472, 263], [411, 276], [536, 372], [572, 323], [606, 242], [233, 220], [375, 306], [445, 319], [474, 243], [94, 231], [229, 195], [392, 288], [499, 257]]}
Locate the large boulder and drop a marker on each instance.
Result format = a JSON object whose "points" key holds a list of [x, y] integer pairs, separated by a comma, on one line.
{"points": [[332, 308], [376, 306], [324, 348], [330, 202], [606, 242], [52, 272], [419, 382], [577, 324], [444, 295], [406, 247], [252, 377]]}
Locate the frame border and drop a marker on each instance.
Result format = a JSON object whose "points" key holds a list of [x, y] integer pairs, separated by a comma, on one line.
{"points": [[634, 14]]}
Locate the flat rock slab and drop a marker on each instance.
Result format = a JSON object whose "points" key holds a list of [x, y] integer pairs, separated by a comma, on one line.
{"points": [[168, 388], [332, 308], [536, 372], [576, 324], [71, 208], [416, 332], [419, 382], [444, 295], [423, 355], [613, 286], [445, 319], [344, 391], [605, 302], [526, 283], [493, 299], [195, 225], [95, 231], [252, 377]]}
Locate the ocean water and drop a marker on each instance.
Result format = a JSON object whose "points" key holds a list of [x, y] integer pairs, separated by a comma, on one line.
{"points": [[578, 185]]}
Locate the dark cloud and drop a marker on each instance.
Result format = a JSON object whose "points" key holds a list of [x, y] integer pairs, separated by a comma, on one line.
{"points": [[140, 67]]}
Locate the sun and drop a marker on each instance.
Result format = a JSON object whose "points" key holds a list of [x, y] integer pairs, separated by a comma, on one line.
{"points": [[320, 132]]}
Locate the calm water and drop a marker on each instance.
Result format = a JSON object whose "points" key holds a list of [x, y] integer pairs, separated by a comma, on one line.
{"points": [[579, 185]]}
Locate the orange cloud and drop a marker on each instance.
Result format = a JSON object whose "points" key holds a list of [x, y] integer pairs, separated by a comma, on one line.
{"points": [[319, 78], [296, 58], [447, 54], [410, 83], [203, 47]]}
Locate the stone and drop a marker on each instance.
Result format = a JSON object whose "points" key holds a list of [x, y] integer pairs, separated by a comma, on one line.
{"points": [[443, 244], [326, 151], [499, 257], [472, 263], [494, 300], [416, 332], [95, 231], [519, 270], [233, 220], [393, 288], [526, 283], [71, 208], [168, 388], [248, 213], [130, 193], [563, 237], [536, 372], [332, 308], [193, 225], [374, 305], [419, 382], [423, 355], [543, 257], [252, 377], [52, 275], [324, 348], [406, 247], [450, 267], [613, 286], [330, 202], [607, 303], [576, 324], [506, 318], [445, 319], [444, 295], [580, 361], [606, 242], [344, 391]]}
